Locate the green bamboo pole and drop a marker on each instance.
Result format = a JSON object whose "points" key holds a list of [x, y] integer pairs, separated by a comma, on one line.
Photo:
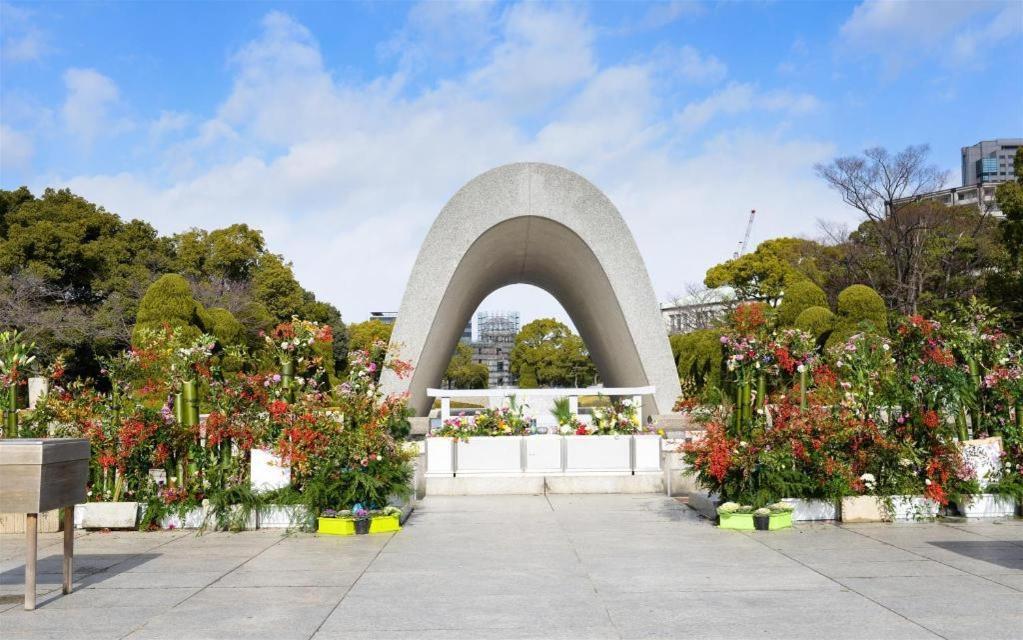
{"points": [[179, 408], [802, 390], [739, 408], [975, 405], [761, 391], [190, 397], [11, 413], [747, 389], [1019, 416], [960, 417], [288, 379]]}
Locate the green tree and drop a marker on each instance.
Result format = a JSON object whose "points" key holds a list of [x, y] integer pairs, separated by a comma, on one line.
{"points": [[798, 297], [1005, 284], [767, 271], [555, 355], [169, 302], [275, 287], [463, 373], [528, 378]]}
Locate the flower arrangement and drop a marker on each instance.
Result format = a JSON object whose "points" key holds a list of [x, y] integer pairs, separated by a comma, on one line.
{"points": [[619, 417]]}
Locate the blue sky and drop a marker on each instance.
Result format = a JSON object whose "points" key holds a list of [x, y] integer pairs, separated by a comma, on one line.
{"points": [[341, 129]]}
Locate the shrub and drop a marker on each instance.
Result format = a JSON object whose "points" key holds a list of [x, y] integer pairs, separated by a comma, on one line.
{"points": [[169, 301], [699, 357], [800, 296], [528, 378], [224, 326], [859, 308], [817, 321]]}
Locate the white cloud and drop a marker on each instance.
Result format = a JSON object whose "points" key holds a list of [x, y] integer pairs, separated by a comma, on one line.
{"points": [[903, 33], [169, 122], [739, 98], [692, 66], [86, 113], [16, 149], [345, 179], [21, 39]]}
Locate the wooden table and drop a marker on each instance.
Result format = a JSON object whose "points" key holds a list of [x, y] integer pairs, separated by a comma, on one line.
{"points": [[38, 475]]}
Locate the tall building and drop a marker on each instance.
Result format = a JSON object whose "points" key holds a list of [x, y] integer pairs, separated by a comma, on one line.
{"points": [[388, 317], [496, 333], [989, 161]]}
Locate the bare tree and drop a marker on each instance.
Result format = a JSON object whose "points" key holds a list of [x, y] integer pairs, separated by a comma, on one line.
{"points": [[878, 184]]}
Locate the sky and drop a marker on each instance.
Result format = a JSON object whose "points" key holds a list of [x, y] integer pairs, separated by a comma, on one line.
{"points": [[341, 129]]}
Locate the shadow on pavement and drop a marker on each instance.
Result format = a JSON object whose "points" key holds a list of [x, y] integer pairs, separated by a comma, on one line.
{"points": [[1003, 553]]}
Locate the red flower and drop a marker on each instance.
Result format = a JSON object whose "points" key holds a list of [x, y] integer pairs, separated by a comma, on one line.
{"points": [[277, 409], [931, 419]]}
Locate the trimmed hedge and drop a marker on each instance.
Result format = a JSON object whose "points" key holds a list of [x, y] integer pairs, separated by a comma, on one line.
{"points": [[699, 357], [169, 301], [799, 297], [860, 308], [817, 321]]}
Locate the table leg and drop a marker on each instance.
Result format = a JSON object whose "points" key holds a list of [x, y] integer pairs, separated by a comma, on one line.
{"points": [[31, 539], [69, 548]]}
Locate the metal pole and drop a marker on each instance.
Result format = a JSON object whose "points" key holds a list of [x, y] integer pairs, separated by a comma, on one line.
{"points": [[69, 548], [31, 542]]}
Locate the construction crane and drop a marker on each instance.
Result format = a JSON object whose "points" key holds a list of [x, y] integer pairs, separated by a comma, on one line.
{"points": [[741, 249]]}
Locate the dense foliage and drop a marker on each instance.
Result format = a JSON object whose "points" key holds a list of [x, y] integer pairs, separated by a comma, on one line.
{"points": [[342, 439], [870, 414], [74, 274]]}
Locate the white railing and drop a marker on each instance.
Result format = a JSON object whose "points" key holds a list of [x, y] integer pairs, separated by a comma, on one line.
{"points": [[573, 395]]}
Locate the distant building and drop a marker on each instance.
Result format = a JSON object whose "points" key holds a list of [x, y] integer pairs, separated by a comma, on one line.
{"points": [[981, 196], [697, 312], [989, 161], [985, 165], [388, 317], [496, 333]]}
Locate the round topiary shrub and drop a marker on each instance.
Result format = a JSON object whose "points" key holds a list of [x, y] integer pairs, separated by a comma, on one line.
{"points": [[798, 297], [224, 326], [169, 301], [860, 308], [816, 321], [859, 304]]}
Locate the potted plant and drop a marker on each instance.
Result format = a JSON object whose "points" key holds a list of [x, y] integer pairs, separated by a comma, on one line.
{"points": [[732, 515], [762, 519], [358, 521], [362, 520], [780, 515]]}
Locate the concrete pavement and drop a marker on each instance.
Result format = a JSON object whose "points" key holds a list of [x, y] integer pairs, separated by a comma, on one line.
{"points": [[560, 566]]}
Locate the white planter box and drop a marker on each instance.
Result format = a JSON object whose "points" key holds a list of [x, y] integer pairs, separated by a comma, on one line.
{"points": [[194, 519], [809, 510], [108, 515], [598, 454], [283, 516], [267, 472], [987, 505], [874, 509], [543, 454], [648, 453], [440, 457], [914, 508], [497, 455]]}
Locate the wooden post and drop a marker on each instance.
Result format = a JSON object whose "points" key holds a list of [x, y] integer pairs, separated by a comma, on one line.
{"points": [[69, 548], [637, 402], [573, 405], [445, 409], [31, 541]]}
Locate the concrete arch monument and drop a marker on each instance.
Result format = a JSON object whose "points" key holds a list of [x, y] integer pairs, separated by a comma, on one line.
{"points": [[542, 225]]}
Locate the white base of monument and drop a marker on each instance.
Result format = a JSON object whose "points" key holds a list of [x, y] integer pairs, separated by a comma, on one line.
{"points": [[539, 485]]}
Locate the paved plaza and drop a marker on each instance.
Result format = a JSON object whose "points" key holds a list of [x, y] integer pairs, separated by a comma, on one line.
{"points": [[559, 566]]}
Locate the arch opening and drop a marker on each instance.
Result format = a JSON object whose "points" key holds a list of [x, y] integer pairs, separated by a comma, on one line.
{"points": [[544, 226]]}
